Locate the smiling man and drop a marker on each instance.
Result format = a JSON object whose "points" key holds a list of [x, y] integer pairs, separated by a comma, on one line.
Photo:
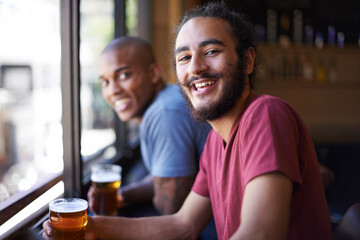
{"points": [[259, 176], [259, 166]]}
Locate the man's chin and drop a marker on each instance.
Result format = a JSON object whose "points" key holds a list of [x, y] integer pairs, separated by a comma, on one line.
{"points": [[199, 114], [124, 117]]}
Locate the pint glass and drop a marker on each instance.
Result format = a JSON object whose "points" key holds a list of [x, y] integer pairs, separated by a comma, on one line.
{"points": [[68, 218], [106, 179]]}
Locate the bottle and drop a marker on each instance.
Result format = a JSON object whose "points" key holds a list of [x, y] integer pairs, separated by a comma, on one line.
{"points": [[340, 39], [308, 70], [319, 40], [271, 26], [298, 25], [284, 38], [332, 69], [320, 74], [331, 35], [309, 35], [296, 68]]}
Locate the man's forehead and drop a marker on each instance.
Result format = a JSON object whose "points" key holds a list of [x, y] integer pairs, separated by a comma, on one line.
{"points": [[199, 29], [122, 55]]}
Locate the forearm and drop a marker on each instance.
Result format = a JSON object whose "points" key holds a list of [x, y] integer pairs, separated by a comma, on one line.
{"points": [[164, 227], [137, 192]]}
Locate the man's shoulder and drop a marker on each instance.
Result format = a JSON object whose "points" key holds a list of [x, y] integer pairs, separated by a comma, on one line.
{"points": [[267, 98], [267, 101], [169, 98]]}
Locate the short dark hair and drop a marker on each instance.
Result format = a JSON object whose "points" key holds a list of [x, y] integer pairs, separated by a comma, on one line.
{"points": [[241, 28], [144, 47]]}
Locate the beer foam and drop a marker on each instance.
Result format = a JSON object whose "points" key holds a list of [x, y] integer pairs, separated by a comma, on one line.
{"points": [[104, 177], [68, 206]]}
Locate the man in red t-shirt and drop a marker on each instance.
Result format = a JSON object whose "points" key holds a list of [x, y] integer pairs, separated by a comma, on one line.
{"points": [[268, 139], [259, 175]]}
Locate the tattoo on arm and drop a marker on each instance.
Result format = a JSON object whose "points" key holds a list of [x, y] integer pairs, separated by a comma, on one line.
{"points": [[170, 193]]}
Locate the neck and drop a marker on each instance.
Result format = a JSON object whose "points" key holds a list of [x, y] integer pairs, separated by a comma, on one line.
{"points": [[224, 124], [159, 86]]}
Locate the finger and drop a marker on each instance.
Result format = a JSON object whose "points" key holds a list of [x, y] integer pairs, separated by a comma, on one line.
{"points": [[47, 228], [90, 193], [46, 236], [90, 235], [90, 196], [120, 201]]}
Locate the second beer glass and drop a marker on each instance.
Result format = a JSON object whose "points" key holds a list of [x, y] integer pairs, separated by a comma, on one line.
{"points": [[106, 179]]}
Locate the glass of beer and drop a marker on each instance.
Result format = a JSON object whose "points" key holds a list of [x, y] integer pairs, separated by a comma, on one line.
{"points": [[106, 179], [68, 218]]}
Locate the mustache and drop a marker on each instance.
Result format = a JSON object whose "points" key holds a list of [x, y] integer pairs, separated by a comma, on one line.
{"points": [[201, 76]]}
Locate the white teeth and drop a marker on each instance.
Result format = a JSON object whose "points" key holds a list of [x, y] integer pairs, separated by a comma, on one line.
{"points": [[203, 84], [121, 102]]}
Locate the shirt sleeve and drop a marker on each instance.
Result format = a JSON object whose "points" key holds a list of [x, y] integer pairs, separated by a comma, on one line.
{"points": [[200, 185], [270, 141], [172, 142]]}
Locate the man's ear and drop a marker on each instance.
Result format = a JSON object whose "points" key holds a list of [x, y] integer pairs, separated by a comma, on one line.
{"points": [[250, 56], [155, 72]]}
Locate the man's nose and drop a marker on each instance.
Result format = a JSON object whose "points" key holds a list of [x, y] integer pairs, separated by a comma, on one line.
{"points": [[197, 65], [114, 87]]}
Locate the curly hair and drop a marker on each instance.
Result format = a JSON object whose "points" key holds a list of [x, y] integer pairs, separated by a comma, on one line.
{"points": [[242, 29]]}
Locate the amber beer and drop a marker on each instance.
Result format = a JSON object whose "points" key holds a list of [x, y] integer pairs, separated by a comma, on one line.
{"points": [[106, 179], [68, 218]]}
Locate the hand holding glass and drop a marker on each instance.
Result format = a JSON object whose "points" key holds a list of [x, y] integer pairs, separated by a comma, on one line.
{"points": [[68, 218]]}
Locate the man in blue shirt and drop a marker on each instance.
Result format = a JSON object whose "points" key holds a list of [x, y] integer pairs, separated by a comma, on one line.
{"points": [[171, 141]]}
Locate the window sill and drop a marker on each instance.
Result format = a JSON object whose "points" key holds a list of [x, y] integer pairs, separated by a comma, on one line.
{"points": [[14, 212]]}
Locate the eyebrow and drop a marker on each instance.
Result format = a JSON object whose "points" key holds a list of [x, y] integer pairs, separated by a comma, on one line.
{"points": [[202, 44], [116, 71]]}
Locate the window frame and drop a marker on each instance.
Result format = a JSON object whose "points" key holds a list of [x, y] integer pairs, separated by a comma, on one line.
{"points": [[70, 83]]}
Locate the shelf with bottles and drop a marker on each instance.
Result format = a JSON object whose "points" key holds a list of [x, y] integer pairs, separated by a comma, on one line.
{"points": [[308, 66]]}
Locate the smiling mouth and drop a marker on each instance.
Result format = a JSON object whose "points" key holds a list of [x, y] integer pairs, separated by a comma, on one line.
{"points": [[122, 104], [202, 85]]}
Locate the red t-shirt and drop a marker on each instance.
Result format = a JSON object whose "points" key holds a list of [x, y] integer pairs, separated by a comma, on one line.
{"points": [[268, 136]]}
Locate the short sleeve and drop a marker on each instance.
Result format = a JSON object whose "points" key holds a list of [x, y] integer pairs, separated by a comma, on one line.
{"points": [[270, 141], [201, 184], [174, 153]]}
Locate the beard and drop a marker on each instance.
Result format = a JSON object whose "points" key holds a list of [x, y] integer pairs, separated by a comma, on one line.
{"points": [[233, 88]]}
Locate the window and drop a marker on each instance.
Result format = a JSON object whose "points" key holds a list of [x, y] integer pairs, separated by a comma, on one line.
{"points": [[97, 118], [30, 94], [54, 123], [96, 30], [103, 136], [31, 146]]}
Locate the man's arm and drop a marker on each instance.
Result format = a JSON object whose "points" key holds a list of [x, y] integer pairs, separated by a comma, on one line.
{"points": [[265, 210], [187, 223], [141, 191], [170, 193]]}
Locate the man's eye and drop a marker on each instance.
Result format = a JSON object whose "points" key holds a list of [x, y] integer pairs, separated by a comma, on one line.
{"points": [[211, 52], [124, 75], [183, 58], [104, 82]]}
